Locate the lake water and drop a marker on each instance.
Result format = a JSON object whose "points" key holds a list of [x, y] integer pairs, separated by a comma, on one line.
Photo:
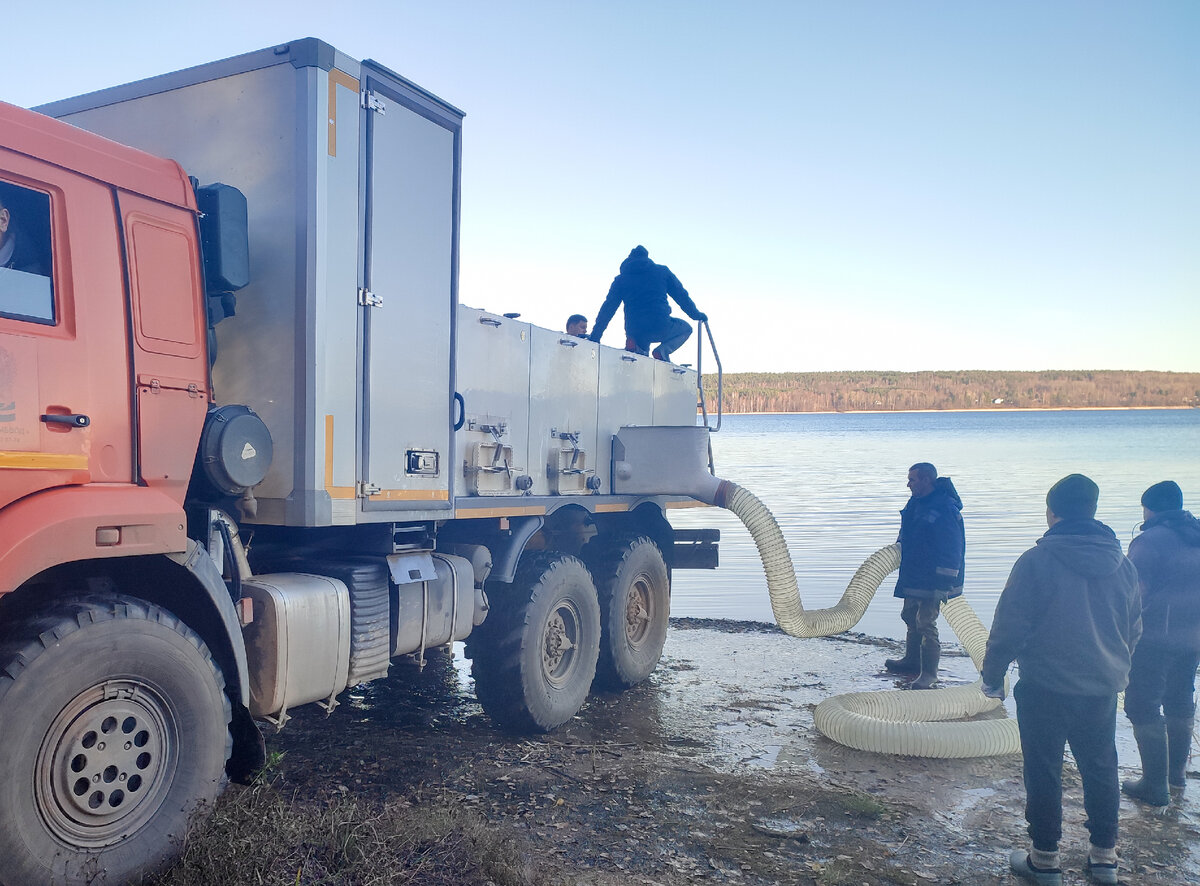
{"points": [[836, 483]]}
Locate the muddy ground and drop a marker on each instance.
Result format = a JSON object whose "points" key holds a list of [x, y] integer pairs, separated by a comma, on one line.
{"points": [[712, 771]]}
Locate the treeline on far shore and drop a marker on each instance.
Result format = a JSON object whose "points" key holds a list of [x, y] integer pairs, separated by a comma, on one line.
{"points": [[963, 389]]}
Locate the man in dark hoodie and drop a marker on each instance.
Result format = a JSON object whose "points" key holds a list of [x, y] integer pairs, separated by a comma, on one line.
{"points": [[643, 286], [16, 250], [1162, 680], [1070, 616], [932, 564]]}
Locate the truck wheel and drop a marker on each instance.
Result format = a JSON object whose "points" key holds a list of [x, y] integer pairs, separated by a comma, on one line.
{"points": [[114, 732], [534, 663], [635, 602]]}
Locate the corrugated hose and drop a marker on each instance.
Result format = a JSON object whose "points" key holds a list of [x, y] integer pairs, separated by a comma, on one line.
{"points": [[890, 722]]}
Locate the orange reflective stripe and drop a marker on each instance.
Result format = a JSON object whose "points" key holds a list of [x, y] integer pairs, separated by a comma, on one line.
{"points": [[43, 461]]}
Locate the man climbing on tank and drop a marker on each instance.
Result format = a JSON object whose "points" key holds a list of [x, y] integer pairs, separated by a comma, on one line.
{"points": [[643, 287], [932, 560]]}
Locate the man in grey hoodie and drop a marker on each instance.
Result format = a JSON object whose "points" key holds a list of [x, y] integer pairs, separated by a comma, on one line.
{"points": [[1070, 616]]}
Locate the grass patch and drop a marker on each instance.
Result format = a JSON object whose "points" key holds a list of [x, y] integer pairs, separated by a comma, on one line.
{"points": [[857, 804], [256, 835], [841, 872]]}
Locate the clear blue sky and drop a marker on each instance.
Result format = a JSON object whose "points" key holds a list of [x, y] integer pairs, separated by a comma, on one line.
{"points": [[841, 185]]}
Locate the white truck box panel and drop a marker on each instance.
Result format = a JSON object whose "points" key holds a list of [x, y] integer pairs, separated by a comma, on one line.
{"points": [[493, 378], [564, 383]]}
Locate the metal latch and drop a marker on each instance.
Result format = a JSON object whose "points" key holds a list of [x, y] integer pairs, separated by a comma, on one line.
{"points": [[368, 299], [372, 102], [365, 489], [423, 462], [571, 438]]}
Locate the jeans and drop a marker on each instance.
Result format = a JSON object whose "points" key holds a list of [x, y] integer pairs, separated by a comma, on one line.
{"points": [[1048, 721], [1161, 681], [672, 334], [921, 617]]}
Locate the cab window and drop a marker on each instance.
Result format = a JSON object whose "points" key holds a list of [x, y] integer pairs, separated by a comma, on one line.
{"points": [[26, 287]]}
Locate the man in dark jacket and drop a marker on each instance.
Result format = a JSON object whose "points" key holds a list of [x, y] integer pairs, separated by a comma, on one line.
{"points": [[16, 250], [643, 287], [932, 564], [1070, 616], [1162, 680]]}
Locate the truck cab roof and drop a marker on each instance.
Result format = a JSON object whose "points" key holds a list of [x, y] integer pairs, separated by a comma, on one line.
{"points": [[36, 135]]}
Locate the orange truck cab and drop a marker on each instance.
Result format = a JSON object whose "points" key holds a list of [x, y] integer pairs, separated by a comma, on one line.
{"points": [[116, 346], [104, 392]]}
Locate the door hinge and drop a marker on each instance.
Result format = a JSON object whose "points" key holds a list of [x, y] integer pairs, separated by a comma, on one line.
{"points": [[366, 490], [372, 102], [368, 299]]}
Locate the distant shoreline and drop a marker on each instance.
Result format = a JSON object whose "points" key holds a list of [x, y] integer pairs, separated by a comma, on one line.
{"points": [[980, 409], [952, 391]]}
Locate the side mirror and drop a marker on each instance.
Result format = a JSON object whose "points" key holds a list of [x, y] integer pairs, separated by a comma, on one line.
{"points": [[224, 238]]}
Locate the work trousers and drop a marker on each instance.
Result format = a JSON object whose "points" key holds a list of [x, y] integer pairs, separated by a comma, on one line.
{"points": [[1161, 681], [1048, 722], [921, 617], [671, 334]]}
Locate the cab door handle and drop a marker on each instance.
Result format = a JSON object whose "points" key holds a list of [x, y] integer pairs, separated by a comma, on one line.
{"points": [[75, 420]]}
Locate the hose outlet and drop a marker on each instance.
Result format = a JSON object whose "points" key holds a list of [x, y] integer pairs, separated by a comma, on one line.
{"points": [[664, 460]]}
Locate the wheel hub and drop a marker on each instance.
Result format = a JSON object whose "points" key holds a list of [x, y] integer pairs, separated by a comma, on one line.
{"points": [[558, 650], [106, 763], [638, 610]]}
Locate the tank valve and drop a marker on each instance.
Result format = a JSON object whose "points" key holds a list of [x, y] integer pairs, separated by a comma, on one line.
{"points": [[523, 482], [593, 483]]}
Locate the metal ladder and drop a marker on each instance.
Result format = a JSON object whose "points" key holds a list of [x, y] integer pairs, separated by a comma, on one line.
{"points": [[700, 376]]}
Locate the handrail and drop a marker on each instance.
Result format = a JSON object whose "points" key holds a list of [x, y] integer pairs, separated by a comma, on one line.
{"points": [[700, 376]]}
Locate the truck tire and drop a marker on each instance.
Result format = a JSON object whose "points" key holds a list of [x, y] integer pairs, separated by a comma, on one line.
{"points": [[114, 732], [634, 589], [534, 658]]}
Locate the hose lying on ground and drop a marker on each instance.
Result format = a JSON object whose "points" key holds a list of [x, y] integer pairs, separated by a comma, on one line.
{"points": [[896, 722]]}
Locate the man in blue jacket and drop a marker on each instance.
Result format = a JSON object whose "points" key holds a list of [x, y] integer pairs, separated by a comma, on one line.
{"points": [[643, 287], [932, 564], [1160, 701], [16, 248], [1070, 616]]}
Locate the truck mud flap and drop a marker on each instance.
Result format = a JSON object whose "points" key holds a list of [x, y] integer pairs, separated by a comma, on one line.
{"points": [[696, 549]]}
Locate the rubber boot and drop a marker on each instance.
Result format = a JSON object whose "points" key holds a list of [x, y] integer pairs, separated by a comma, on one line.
{"points": [[931, 654], [1179, 747], [1151, 788], [911, 663]]}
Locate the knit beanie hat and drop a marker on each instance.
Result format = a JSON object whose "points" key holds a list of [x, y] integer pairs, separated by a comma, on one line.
{"points": [[1164, 496], [1073, 497]]}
